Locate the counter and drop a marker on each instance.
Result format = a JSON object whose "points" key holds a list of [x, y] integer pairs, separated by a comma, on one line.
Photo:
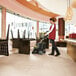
{"points": [[71, 48]]}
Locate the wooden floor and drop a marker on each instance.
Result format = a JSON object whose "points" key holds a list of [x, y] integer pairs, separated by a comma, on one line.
{"points": [[38, 65]]}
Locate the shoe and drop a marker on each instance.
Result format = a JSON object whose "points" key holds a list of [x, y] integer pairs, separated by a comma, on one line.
{"points": [[50, 54], [57, 54]]}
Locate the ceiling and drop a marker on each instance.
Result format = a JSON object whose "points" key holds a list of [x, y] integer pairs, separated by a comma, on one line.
{"points": [[56, 6], [74, 4], [35, 6], [51, 8], [40, 9]]}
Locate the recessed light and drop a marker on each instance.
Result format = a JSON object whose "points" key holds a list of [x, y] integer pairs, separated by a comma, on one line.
{"points": [[28, 0]]}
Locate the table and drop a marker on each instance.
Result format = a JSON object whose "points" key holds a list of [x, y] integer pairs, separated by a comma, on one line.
{"points": [[22, 44]]}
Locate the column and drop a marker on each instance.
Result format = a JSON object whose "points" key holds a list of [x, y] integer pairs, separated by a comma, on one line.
{"points": [[38, 29], [3, 35], [61, 28]]}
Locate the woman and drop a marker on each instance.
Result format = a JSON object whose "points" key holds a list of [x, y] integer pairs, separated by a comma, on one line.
{"points": [[52, 35]]}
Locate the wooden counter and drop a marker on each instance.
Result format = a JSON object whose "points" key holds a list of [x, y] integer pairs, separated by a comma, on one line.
{"points": [[71, 48]]}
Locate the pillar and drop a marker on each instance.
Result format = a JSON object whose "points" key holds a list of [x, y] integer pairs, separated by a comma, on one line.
{"points": [[61, 28], [38, 29], [3, 33]]}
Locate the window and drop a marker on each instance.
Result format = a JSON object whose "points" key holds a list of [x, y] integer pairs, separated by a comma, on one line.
{"points": [[32, 29], [43, 27], [69, 29], [22, 24]]}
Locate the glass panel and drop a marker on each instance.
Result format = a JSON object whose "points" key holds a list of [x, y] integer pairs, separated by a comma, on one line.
{"points": [[32, 27], [69, 29], [43, 27], [19, 23]]}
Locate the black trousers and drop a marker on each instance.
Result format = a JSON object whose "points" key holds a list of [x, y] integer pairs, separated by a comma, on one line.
{"points": [[54, 47]]}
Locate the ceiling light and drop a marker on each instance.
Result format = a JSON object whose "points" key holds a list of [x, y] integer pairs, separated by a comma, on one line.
{"points": [[28, 0], [69, 12]]}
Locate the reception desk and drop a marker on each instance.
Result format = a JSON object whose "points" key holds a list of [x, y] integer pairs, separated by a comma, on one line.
{"points": [[71, 48]]}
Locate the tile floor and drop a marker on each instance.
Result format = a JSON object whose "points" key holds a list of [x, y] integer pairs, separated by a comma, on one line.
{"points": [[38, 65]]}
